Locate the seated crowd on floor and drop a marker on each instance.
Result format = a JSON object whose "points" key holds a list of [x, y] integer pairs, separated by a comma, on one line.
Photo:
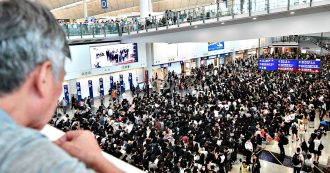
{"points": [[200, 122]]}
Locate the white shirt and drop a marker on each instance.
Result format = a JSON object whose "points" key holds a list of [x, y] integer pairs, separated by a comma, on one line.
{"points": [[287, 119], [248, 145], [317, 143], [292, 116]]}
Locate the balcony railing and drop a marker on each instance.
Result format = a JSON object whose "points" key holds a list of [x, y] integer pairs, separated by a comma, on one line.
{"points": [[206, 14]]}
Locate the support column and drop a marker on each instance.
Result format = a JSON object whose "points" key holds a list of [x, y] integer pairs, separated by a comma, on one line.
{"points": [[150, 59], [198, 62], [85, 9], [144, 8], [150, 7], [321, 42], [233, 56]]}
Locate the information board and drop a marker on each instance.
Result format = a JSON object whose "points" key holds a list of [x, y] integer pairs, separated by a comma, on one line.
{"points": [[267, 64], [293, 65]]}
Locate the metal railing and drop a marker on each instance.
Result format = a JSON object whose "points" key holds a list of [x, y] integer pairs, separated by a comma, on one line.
{"points": [[194, 16]]}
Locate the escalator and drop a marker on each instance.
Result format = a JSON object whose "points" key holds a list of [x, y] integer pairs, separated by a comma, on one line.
{"points": [[286, 161]]}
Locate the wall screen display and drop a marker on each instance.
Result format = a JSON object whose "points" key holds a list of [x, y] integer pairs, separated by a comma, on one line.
{"points": [[112, 55], [267, 64], [293, 65]]}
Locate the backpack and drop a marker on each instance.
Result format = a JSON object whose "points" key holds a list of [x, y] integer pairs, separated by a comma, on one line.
{"points": [[285, 140], [294, 127], [307, 168], [321, 146], [295, 159]]}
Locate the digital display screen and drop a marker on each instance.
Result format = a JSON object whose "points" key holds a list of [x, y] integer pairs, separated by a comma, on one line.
{"points": [[112, 55], [267, 64], [312, 66]]}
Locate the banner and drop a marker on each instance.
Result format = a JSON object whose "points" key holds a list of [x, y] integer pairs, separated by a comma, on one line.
{"points": [[78, 91], [121, 80], [112, 85], [66, 93], [90, 87], [101, 87], [130, 80]]}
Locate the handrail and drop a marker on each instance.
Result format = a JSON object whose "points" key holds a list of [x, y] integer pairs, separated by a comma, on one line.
{"points": [[287, 167], [318, 168], [53, 134], [177, 18], [288, 170]]}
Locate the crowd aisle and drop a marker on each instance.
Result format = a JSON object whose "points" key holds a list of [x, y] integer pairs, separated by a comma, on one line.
{"points": [[204, 122]]}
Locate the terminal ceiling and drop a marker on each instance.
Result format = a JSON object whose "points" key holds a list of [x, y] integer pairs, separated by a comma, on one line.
{"points": [[73, 9]]}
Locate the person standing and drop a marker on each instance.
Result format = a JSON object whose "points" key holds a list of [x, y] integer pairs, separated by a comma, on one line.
{"points": [[249, 151], [73, 102], [302, 132], [318, 146], [297, 161], [308, 164], [255, 164], [64, 105], [245, 168], [282, 141], [294, 131], [287, 121]]}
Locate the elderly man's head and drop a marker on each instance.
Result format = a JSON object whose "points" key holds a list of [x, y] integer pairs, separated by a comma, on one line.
{"points": [[33, 48]]}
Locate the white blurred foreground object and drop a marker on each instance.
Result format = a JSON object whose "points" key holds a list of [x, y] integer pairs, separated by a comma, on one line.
{"points": [[53, 134]]}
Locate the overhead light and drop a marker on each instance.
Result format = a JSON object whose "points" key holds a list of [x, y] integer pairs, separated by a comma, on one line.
{"points": [[254, 18], [292, 12], [72, 5]]}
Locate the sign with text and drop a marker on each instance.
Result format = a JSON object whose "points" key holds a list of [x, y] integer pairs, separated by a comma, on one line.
{"points": [[101, 87], [121, 80], [267, 64], [112, 85], [78, 91], [130, 80], [90, 88], [293, 65], [66, 93], [104, 4]]}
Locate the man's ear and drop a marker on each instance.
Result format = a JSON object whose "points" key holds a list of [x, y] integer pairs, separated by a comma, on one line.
{"points": [[44, 78]]}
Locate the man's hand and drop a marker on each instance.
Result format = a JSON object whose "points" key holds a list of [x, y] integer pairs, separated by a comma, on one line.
{"points": [[83, 145]]}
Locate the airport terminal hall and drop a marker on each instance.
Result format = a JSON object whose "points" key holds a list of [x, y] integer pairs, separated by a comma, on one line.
{"points": [[164, 86]]}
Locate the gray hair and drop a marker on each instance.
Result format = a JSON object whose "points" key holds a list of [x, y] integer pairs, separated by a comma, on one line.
{"points": [[29, 36]]}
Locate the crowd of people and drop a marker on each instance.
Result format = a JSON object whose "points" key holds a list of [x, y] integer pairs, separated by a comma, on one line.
{"points": [[199, 123]]}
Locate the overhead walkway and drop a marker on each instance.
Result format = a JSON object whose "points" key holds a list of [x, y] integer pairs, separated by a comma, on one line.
{"points": [[199, 19]]}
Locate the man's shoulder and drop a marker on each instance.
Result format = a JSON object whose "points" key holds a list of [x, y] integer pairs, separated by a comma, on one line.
{"points": [[12, 135], [27, 150]]}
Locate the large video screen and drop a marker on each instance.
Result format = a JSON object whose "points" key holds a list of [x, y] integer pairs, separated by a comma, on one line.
{"points": [[112, 55], [293, 65]]}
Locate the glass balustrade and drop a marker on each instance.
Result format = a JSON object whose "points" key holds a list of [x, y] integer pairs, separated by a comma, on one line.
{"points": [[194, 16]]}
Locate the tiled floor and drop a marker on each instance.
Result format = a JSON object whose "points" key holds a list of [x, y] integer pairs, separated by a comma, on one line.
{"points": [[268, 167]]}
